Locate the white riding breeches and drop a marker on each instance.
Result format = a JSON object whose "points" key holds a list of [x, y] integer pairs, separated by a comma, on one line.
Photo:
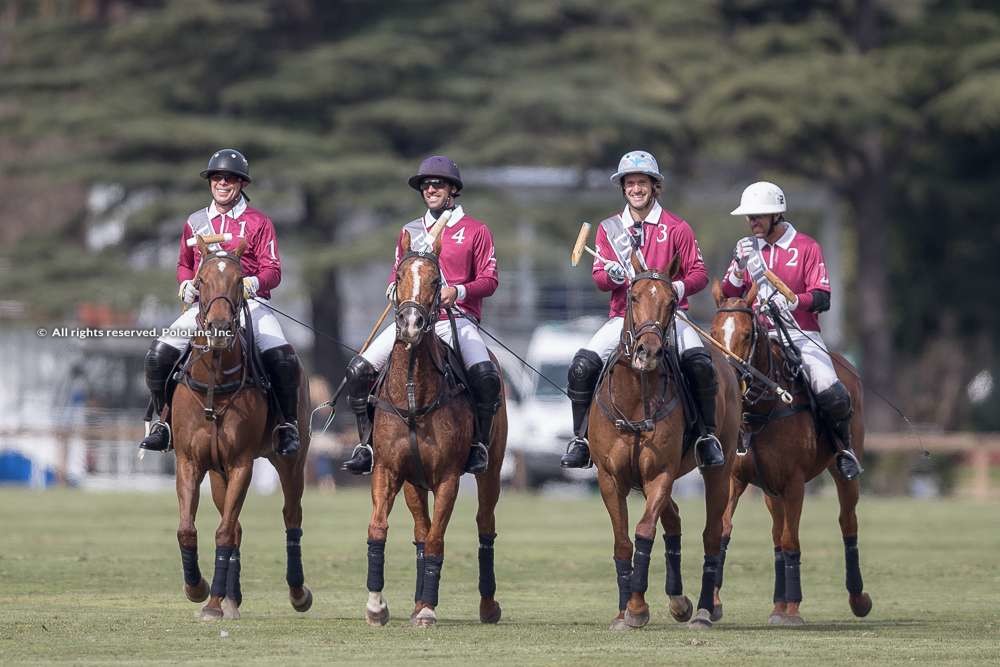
{"points": [[608, 336], [815, 359], [474, 349], [266, 330]]}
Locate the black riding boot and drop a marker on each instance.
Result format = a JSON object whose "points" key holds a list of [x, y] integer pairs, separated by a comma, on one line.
{"points": [[360, 378], [697, 367], [584, 372], [160, 360], [484, 381], [835, 407], [282, 365]]}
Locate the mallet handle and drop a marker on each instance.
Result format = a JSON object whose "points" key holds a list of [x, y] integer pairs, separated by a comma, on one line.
{"points": [[780, 285], [210, 238]]}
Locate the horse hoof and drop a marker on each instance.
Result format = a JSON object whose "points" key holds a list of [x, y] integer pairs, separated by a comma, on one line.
{"points": [[489, 611], [378, 617], [792, 621], [861, 604], [681, 608], [210, 614], [717, 613], [197, 593], [230, 611], [637, 620], [776, 619], [701, 621], [424, 618], [303, 603], [619, 624]]}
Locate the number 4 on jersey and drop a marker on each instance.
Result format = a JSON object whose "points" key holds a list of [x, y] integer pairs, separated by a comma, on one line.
{"points": [[459, 236]]}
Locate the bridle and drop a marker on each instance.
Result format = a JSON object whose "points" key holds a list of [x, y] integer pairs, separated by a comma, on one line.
{"points": [[631, 334], [235, 307], [428, 313], [754, 390]]}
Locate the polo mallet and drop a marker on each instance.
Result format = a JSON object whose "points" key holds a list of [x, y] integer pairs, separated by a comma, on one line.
{"points": [[581, 246], [209, 238], [432, 236], [782, 393]]}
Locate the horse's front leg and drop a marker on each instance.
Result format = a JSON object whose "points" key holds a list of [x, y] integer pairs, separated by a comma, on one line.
{"points": [[385, 486], [615, 501], [776, 507], [680, 606], [717, 481], [226, 595], [189, 478], [848, 493], [736, 489], [444, 503], [416, 501], [657, 497], [292, 477], [792, 499], [489, 495]]}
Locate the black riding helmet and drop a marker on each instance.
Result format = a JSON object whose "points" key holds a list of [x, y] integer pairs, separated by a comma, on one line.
{"points": [[230, 161], [437, 166]]}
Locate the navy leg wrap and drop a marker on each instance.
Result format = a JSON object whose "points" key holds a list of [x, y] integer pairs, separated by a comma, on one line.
{"points": [[432, 579], [793, 581], [623, 569], [376, 565], [709, 571], [189, 559], [672, 545], [420, 571], [293, 568], [487, 578], [233, 591], [852, 558], [640, 564], [779, 575], [222, 555], [722, 560]]}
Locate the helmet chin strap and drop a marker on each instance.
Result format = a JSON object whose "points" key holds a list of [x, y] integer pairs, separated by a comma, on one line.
{"points": [[449, 204]]}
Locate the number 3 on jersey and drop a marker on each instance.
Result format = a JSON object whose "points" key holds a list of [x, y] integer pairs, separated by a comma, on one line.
{"points": [[459, 236]]}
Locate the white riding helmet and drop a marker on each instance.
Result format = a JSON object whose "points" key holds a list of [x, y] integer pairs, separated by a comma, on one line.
{"points": [[761, 198], [637, 162]]}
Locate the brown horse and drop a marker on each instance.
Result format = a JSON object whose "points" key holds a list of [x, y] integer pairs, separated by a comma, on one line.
{"points": [[637, 436], [423, 429], [221, 423], [786, 451]]}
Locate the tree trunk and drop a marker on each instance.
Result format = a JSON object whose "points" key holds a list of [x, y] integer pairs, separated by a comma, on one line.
{"points": [[329, 358]]}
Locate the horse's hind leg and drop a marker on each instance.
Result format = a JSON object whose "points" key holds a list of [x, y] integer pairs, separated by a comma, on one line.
{"points": [[717, 482], [444, 503], [615, 501], [385, 486], [848, 493], [489, 494], [736, 489], [416, 501], [188, 490], [292, 476], [226, 594], [680, 606]]}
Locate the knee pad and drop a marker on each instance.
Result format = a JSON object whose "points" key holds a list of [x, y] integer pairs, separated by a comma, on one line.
{"points": [[697, 365], [160, 359], [583, 373], [485, 380], [835, 402], [282, 364], [360, 377]]}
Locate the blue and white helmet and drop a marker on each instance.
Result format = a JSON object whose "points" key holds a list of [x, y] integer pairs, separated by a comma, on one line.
{"points": [[637, 162]]}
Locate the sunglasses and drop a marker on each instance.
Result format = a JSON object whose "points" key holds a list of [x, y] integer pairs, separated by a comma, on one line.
{"points": [[220, 176], [436, 183]]}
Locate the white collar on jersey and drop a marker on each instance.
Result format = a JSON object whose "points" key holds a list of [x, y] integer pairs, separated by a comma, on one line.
{"points": [[652, 218], [786, 238], [456, 215], [233, 213]]}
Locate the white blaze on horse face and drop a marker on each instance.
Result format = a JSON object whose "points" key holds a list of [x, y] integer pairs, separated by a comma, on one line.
{"points": [[415, 275], [728, 329], [222, 267]]}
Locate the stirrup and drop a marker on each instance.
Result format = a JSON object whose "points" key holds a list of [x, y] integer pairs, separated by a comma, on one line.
{"points": [[478, 446], [710, 437], [567, 462], [149, 429], [287, 426], [371, 459], [849, 454]]}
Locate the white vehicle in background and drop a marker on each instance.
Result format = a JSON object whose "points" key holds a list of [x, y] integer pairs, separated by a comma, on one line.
{"points": [[541, 422]]}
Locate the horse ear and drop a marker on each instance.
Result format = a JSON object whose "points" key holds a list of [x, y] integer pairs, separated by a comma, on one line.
{"points": [[202, 246], [437, 246], [636, 264], [405, 242], [752, 294], [674, 268], [241, 248], [717, 292]]}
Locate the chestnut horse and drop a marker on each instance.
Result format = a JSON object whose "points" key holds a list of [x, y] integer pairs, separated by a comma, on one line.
{"points": [[786, 451], [637, 433], [422, 432], [221, 423]]}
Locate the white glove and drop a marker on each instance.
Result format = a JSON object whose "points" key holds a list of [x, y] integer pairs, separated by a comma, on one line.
{"points": [[250, 286], [187, 292], [390, 293], [780, 307], [744, 248], [615, 271], [679, 288]]}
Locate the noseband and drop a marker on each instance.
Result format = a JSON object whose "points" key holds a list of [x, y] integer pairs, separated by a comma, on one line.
{"points": [[421, 309], [631, 334]]}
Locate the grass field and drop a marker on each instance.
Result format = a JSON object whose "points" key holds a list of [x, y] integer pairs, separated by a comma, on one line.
{"points": [[97, 578]]}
